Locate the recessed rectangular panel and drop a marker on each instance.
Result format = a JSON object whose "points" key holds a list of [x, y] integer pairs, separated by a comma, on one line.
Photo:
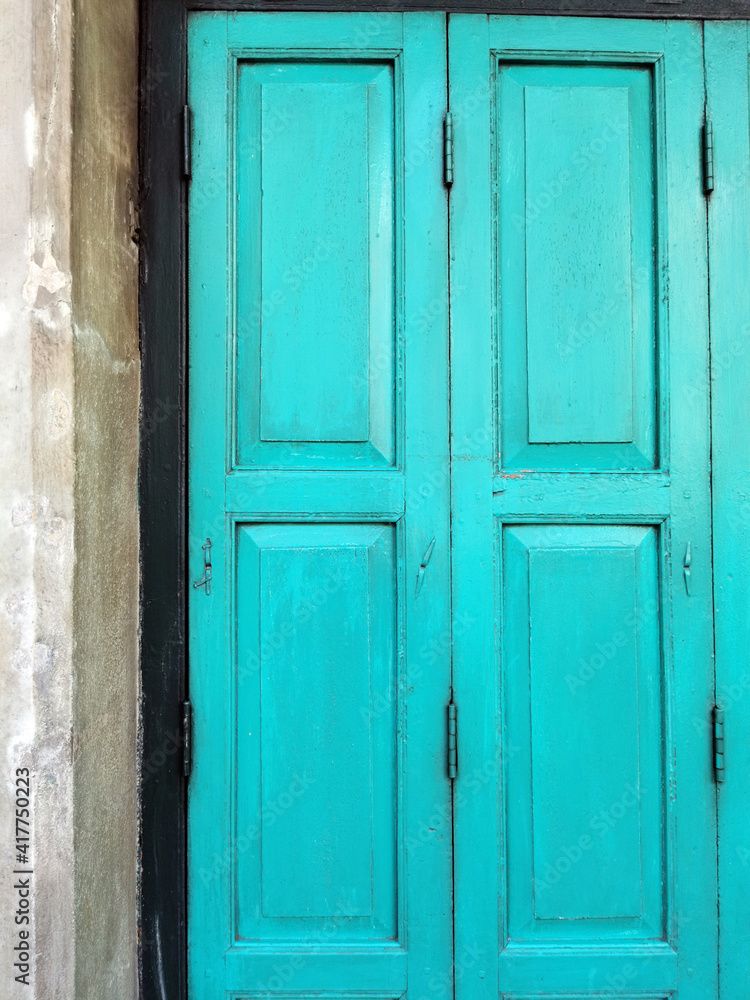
{"points": [[582, 676], [316, 320], [314, 339], [577, 228], [580, 350], [313, 682], [584, 733], [316, 766]]}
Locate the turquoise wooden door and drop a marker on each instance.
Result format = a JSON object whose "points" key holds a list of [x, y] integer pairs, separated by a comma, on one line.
{"points": [[581, 510], [526, 524], [319, 811]]}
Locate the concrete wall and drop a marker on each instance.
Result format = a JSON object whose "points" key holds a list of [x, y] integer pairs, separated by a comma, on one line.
{"points": [[68, 511], [105, 323]]}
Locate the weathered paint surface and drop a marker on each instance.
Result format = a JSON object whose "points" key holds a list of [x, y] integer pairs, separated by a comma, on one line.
{"points": [[580, 503], [319, 834], [69, 395], [68, 515], [591, 663]]}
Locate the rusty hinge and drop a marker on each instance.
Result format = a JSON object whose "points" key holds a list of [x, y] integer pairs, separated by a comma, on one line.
{"points": [[187, 130], [448, 149], [452, 738], [719, 743], [187, 738], [708, 155]]}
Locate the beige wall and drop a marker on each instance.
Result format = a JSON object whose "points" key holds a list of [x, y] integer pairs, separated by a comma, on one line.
{"points": [[68, 512], [105, 282]]}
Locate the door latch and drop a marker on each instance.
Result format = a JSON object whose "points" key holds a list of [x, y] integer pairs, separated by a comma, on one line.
{"points": [[687, 562], [205, 580], [423, 566]]}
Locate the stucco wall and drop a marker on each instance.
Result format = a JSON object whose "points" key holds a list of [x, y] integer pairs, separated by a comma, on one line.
{"points": [[68, 505], [104, 262]]}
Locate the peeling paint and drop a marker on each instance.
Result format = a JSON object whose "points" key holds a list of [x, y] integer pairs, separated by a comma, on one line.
{"points": [[59, 414], [29, 509], [46, 275]]}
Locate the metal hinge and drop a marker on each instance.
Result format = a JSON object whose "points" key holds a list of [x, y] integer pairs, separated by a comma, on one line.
{"points": [[452, 739], [719, 743], [187, 121], [205, 580], [187, 738], [448, 149], [708, 155]]}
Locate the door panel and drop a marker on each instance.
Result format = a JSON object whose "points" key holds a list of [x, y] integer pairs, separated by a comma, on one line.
{"points": [[580, 490], [574, 163], [316, 352], [318, 470], [315, 779], [580, 869]]}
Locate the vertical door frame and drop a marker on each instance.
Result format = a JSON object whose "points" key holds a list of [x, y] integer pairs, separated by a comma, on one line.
{"points": [[726, 52], [162, 226]]}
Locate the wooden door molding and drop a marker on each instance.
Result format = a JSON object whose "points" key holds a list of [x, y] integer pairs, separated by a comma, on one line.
{"points": [[727, 86], [649, 9], [162, 903]]}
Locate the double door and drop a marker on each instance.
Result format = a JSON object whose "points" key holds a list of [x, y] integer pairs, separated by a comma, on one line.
{"points": [[452, 672]]}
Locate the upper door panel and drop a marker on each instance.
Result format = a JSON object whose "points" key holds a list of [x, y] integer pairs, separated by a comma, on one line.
{"points": [[576, 158], [316, 243]]}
